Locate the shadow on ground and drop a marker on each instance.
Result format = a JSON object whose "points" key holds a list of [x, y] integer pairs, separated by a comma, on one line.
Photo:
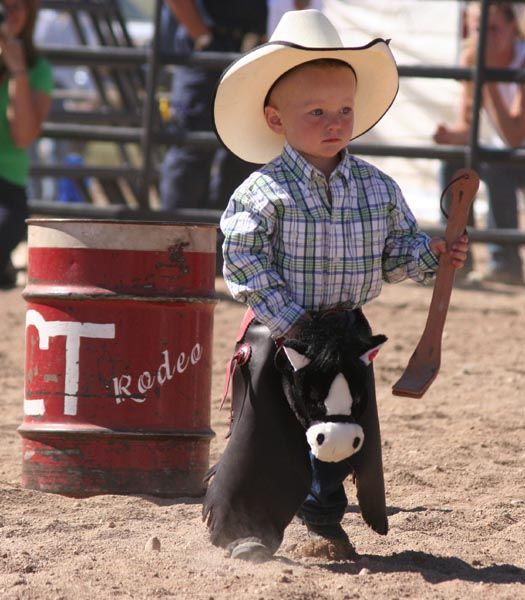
{"points": [[434, 569]]}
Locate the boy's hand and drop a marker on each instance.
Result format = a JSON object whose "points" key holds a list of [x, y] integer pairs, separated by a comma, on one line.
{"points": [[458, 251]]}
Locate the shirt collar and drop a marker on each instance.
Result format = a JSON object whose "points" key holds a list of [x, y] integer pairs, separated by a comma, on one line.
{"points": [[345, 165], [306, 172], [300, 168]]}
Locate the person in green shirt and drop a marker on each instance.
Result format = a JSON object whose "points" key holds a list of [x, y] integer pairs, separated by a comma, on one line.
{"points": [[25, 100]]}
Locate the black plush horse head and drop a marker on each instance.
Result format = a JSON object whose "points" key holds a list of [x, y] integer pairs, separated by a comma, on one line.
{"points": [[325, 381]]}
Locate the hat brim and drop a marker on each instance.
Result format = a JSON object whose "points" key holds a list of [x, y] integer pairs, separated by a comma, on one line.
{"points": [[238, 107]]}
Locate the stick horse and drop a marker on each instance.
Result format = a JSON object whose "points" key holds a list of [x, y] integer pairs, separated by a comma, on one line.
{"points": [[312, 394]]}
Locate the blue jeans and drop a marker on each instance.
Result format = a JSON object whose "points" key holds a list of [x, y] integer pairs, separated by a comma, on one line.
{"points": [[502, 183], [326, 502]]}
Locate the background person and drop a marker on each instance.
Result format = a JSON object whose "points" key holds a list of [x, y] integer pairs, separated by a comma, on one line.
{"points": [[192, 177], [504, 106], [25, 100], [56, 27]]}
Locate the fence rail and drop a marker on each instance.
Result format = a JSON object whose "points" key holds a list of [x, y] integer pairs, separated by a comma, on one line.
{"points": [[135, 118]]}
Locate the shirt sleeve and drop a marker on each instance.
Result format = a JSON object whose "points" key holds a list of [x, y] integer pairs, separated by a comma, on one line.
{"points": [[248, 225], [407, 250], [41, 76]]}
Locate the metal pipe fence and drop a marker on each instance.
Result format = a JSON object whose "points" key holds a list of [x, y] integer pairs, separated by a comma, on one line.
{"points": [[134, 119]]}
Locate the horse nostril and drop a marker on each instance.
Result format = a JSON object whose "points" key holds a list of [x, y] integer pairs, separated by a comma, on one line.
{"points": [[320, 438], [356, 443]]}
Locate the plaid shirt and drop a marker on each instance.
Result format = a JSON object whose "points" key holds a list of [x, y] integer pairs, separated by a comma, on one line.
{"points": [[295, 242]]}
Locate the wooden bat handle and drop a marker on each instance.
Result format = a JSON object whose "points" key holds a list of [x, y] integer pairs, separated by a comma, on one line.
{"points": [[425, 362], [463, 192]]}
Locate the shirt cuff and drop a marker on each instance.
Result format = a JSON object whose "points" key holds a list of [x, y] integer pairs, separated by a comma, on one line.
{"points": [[428, 262]]}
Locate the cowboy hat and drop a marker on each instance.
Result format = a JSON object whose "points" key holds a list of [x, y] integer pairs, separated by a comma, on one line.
{"points": [[301, 36]]}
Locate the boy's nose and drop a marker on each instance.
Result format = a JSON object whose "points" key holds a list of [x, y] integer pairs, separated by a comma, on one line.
{"points": [[334, 122]]}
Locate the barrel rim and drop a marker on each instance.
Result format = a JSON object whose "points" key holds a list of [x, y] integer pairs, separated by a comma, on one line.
{"points": [[43, 221], [30, 295], [46, 430]]}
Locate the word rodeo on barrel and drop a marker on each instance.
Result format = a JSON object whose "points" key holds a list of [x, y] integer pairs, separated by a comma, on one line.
{"points": [[125, 385]]}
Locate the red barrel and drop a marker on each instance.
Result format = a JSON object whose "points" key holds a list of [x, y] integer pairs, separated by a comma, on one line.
{"points": [[118, 357]]}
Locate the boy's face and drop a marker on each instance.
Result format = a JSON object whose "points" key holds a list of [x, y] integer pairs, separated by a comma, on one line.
{"points": [[313, 109]]}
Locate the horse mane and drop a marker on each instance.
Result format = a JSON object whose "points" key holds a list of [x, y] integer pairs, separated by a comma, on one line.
{"points": [[329, 341]]}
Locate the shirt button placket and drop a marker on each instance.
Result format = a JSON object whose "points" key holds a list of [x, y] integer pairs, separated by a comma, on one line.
{"points": [[327, 269], [332, 241]]}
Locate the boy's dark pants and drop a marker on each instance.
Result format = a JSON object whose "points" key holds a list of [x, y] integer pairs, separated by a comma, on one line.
{"points": [[266, 472]]}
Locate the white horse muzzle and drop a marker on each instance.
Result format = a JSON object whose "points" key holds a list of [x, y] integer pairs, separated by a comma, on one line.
{"points": [[333, 442]]}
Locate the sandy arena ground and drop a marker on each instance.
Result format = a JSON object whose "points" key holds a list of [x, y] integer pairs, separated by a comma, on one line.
{"points": [[454, 468]]}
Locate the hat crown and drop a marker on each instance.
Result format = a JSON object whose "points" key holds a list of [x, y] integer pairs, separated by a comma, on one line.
{"points": [[301, 36], [309, 28]]}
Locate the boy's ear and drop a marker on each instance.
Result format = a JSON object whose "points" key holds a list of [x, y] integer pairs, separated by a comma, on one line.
{"points": [[273, 119]]}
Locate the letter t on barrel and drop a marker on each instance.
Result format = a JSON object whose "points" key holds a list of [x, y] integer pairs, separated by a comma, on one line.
{"points": [[72, 331]]}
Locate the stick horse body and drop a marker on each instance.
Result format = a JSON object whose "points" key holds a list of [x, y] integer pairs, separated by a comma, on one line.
{"points": [[311, 394]]}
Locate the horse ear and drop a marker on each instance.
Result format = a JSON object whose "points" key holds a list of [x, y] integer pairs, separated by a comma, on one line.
{"points": [[376, 341], [297, 360]]}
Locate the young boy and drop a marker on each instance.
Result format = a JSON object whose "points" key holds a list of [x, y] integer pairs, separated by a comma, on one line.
{"points": [[314, 229]]}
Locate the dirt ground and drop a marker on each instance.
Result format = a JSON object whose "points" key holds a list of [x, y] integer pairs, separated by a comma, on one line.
{"points": [[454, 468]]}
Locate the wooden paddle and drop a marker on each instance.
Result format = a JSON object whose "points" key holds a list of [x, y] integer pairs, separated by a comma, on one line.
{"points": [[424, 363]]}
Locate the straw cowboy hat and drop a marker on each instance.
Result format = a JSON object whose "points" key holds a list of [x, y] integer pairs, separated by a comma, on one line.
{"points": [[300, 36]]}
